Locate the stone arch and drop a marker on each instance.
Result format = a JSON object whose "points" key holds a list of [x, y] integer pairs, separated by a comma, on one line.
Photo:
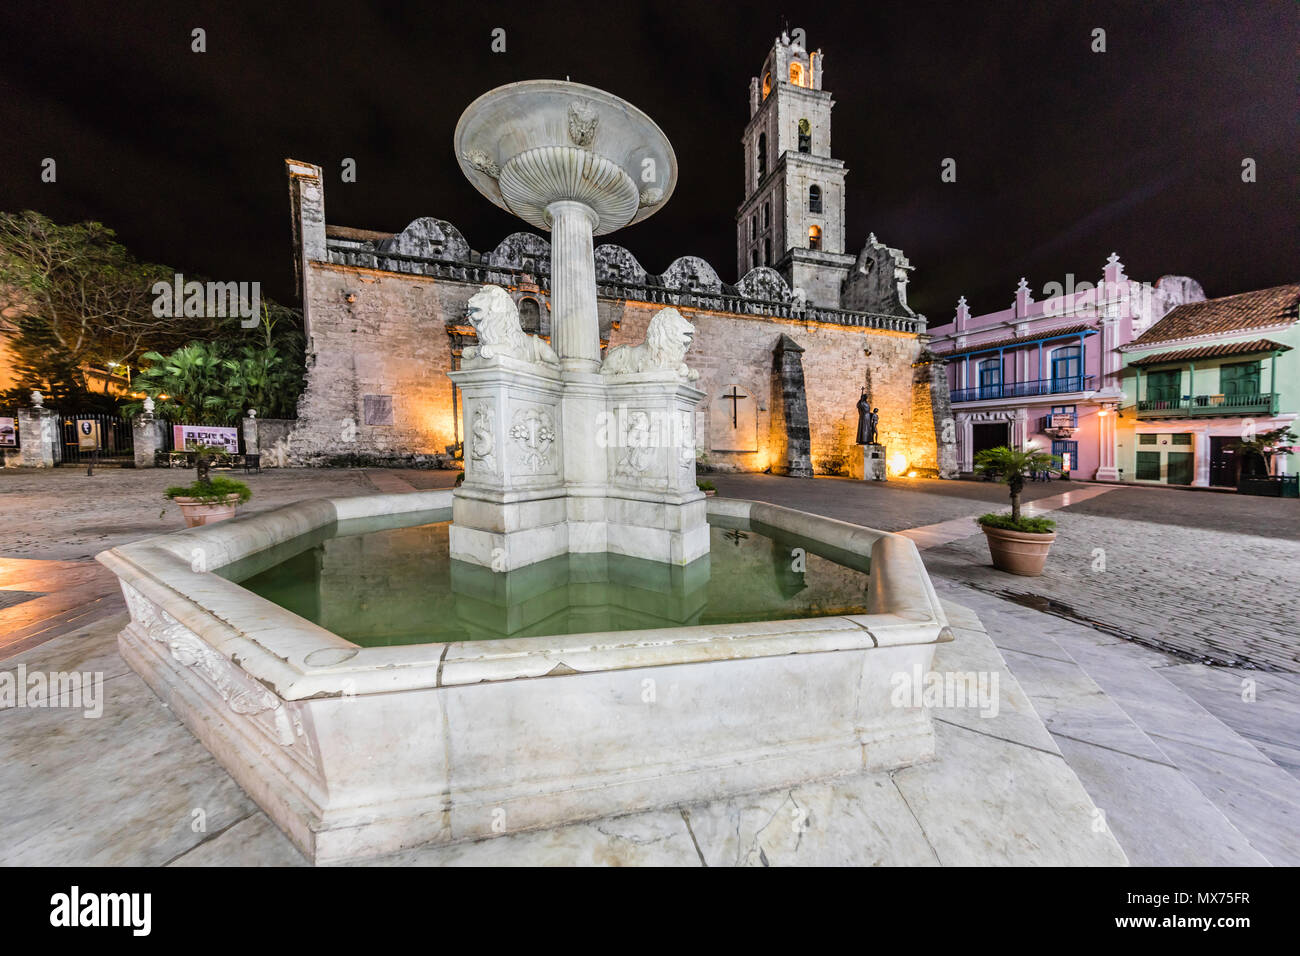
{"points": [[693, 274], [427, 238], [766, 284], [616, 264], [525, 251], [530, 314]]}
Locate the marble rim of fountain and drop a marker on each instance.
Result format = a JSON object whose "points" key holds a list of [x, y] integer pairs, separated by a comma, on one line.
{"points": [[533, 181], [506, 122], [296, 659]]}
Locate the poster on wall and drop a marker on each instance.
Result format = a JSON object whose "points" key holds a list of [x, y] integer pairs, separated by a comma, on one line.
{"points": [[190, 437], [87, 434], [8, 433]]}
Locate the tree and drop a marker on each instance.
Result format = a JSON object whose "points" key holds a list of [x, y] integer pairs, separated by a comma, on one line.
{"points": [[1013, 466], [1267, 444], [76, 291]]}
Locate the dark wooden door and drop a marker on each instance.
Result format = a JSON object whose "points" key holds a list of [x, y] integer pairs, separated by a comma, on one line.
{"points": [[1223, 461], [1180, 468], [988, 436]]}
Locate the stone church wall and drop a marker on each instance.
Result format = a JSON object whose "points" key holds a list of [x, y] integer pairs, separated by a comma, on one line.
{"points": [[737, 350], [385, 335], [378, 334]]}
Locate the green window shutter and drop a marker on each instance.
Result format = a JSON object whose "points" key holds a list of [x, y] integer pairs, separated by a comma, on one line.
{"points": [[1148, 466], [1165, 386], [1183, 439], [1146, 439], [1239, 378]]}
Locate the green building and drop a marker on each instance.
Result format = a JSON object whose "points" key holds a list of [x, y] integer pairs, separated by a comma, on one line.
{"points": [[1205, 377]]}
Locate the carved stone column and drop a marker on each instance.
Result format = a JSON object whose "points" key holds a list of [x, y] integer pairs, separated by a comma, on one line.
{"points": [[1107, 470], [575, 327], [146, 439], [38, 431]]}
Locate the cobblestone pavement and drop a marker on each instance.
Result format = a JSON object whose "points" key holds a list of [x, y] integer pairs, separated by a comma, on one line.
{"points": [[57, 520], [1212, 576], [1215, 577], [62, 514]]}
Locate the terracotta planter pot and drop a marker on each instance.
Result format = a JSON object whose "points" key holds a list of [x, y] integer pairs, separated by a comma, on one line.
{"points": [[1018, 552], [198, 512]]}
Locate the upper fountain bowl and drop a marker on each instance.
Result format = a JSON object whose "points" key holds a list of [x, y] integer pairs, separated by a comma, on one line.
{"points": [[527, 145]]}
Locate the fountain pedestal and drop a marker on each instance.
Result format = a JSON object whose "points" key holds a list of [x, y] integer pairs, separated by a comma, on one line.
{"points": [[565, 453]]}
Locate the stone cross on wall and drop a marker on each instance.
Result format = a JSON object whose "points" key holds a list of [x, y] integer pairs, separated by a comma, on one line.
{"points": [[735, 397]]}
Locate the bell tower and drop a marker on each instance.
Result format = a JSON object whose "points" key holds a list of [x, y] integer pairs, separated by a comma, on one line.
{"points": [[792, 218]]}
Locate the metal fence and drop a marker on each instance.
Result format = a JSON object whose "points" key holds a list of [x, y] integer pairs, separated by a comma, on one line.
{"points": [[93, 436]]}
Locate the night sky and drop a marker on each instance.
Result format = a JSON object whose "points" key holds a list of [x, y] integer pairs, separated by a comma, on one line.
{"points": [[1063, 155]]}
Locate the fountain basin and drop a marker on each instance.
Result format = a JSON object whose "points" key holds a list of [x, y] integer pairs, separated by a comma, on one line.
{"points": [[357, 751], [529, 144]]}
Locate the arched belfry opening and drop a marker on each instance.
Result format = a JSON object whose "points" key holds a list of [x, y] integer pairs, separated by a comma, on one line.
{"points": [[788, 151]]}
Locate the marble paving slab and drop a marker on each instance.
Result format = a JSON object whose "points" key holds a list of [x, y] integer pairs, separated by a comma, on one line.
{"points": [[124, 790], [1270, 721]]}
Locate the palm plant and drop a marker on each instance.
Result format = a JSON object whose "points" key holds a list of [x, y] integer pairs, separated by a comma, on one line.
{"points": [[1012, 466], [214, 383]]}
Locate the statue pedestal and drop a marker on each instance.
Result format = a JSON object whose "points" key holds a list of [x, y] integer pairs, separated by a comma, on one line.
{"points": [[574, 462], [867, 463]]}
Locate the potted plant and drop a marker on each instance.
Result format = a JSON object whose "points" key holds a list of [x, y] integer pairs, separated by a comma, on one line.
{"points": [[706, 486], [1017, 544], [208, 499]]}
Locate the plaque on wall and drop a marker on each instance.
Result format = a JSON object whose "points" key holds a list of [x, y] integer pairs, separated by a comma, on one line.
{"points": [[377, 409], [733, 420]]}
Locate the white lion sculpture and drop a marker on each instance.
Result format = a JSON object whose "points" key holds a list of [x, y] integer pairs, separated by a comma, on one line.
{"points": [[667, 340], [495, 318]]}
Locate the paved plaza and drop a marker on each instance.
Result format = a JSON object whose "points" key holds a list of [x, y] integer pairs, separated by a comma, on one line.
{"points": [[1158, 651]]}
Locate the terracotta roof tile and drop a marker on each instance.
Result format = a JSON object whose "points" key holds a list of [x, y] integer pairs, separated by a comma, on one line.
{"points": [[1249, 310], [1213, 351]]}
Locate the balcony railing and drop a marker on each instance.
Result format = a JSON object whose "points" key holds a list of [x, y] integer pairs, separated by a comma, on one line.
{"points": [[1197, 406], [1039, 386], [1045, 422]]}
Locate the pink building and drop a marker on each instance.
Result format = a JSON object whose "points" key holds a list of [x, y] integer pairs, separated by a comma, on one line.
{"points": [[1048, 373]]}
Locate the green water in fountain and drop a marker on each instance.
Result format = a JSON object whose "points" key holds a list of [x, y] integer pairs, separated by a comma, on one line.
{"points": [[376, 585]]}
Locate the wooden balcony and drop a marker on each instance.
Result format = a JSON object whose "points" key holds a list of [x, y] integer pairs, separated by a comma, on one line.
{"points": [[1202, 406]]}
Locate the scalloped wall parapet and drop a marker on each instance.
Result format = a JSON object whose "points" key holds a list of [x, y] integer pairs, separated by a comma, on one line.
{"points": [[527, 252]]}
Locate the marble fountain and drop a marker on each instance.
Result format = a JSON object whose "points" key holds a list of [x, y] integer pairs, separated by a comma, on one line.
{"points": [[570, 646]]}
